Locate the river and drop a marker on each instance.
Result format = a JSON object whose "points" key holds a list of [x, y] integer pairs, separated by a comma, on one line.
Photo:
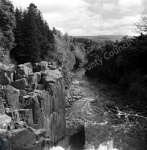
{"points": [[108, 124]]}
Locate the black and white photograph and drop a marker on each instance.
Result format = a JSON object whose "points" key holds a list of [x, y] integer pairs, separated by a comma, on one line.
{"points": [[73, 74]]}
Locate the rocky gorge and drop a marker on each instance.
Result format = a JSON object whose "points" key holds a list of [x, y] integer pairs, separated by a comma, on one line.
{"points": [[32, 106], [43, 105]]}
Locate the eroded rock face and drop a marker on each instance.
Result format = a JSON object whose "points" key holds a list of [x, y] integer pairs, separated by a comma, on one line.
{"points": [[33, 98]]}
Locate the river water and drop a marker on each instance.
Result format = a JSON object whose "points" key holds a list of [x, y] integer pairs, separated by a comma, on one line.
{"points": [[108, 125]]}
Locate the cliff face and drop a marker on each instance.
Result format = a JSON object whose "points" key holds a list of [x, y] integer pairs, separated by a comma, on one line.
{"points": [[32, 106]]}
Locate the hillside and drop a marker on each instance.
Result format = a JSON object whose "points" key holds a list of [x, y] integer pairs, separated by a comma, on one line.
{"points": [[103, 37]]}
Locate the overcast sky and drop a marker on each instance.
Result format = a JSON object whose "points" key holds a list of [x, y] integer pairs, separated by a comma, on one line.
{"points": [[89, 17]]}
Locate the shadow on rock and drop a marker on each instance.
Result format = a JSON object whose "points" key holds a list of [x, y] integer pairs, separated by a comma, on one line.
{"points": [[77, 141]]}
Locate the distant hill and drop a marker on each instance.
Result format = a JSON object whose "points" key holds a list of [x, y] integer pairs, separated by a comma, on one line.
{"points": [[104, 37]]}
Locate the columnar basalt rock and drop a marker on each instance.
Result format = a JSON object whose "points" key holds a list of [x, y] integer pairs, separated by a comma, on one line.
{"points": [[34, 98]]}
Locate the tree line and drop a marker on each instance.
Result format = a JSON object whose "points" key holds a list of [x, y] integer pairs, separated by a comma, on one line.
{"points": [[26, 37], [33, 37]]}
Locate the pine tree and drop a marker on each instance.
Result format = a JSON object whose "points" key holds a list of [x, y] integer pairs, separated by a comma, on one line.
{"points": [[31, 45], [17, 51], [49, 40], [46, 37], [34, 39]]}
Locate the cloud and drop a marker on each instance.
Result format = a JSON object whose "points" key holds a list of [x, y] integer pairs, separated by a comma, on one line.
{"points": [[130, 3], [144, 4], [52, 5], [108, 7], [88, 17]]}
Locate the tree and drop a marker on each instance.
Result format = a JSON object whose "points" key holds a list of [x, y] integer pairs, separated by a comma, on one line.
{"points": [[17, 50], [46, 37], [7, 24], [34, 39], [142, 23], [30, 35]]}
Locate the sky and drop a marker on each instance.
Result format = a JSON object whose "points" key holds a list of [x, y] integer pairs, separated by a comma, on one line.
{"points": [[89, 17]]}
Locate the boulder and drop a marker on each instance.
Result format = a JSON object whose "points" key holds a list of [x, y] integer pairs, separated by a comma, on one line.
{"points": [[45, 108], [35, 103], [26, 116], [40, 132], [23, 93], [24, 69], [32, 102], [40, 87], [31, 87], [50, 76], [43, 65], [20, 84], [18, 76], [4, 121], [11, 97], [21, 138], [19, 124], [15, 116], [10, 74], [29, 65], [4, 79], [53, 66], [6, 67], [34, 78]]}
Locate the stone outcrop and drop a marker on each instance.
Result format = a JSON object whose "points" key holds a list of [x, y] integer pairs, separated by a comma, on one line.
{"points": [[32, 106]]}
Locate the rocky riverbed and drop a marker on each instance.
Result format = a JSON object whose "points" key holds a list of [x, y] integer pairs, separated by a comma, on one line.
{"points": [[109, 125]]}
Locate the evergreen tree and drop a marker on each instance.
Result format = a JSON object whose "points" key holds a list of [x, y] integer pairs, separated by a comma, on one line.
{"points": [[46, 37], [34, 39], [30, 36], [17, 51]]}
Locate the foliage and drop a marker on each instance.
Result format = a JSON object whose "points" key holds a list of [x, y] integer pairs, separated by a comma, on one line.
{"points": [[64, 55], [141, 25], [126, 68], [7, 24], [67, 50], [34, 39]]}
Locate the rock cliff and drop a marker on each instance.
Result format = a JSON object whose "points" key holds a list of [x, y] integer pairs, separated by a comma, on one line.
{"points": [[32, 106]]}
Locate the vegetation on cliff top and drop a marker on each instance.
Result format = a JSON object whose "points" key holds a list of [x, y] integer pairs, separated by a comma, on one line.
{"points": [[27, 37]]}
